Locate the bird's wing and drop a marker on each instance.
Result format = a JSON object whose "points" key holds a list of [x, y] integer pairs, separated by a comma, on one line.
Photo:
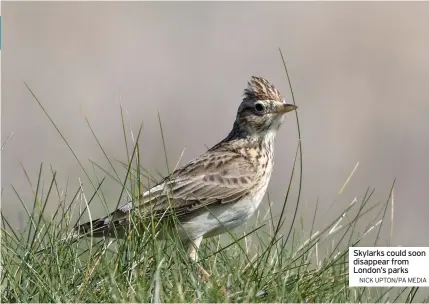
{"points": [[216, 177]]}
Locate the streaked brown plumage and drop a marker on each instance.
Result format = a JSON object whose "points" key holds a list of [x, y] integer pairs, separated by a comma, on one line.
{"points": [[221, 188]]}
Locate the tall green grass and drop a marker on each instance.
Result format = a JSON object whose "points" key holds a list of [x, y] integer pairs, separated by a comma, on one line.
{"points": [[265, 262]]}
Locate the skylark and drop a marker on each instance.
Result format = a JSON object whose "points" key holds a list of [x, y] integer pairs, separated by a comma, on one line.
{"points": [[222, 188]]}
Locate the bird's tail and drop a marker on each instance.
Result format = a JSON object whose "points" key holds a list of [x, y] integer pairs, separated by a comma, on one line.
{"points": [[113, 225], [95, 228]]}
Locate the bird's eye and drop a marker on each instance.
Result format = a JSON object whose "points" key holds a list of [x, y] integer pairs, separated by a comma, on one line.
{"points": [[259, 107]]}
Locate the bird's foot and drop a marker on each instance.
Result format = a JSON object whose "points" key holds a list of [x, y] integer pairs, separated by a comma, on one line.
{"points": [[203, 274]]}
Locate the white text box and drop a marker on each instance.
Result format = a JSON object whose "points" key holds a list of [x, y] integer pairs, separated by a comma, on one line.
{"points": [[388, 266]]}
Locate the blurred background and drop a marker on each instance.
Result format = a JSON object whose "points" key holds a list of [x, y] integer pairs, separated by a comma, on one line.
{"points": [[359, 73]]}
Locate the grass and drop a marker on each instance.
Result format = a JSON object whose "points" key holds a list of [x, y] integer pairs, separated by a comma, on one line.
{"points": [[38, 265], [265, 262]]}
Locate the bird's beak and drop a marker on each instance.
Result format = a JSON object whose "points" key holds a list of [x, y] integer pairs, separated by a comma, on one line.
{"points": [[286, 108]]}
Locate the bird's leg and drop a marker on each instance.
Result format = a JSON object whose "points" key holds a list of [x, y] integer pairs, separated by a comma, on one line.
{"points": [[193, 254], [193, 246]]}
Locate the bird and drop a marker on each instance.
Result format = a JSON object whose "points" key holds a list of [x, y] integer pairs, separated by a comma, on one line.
{"points": [[220, 189]]}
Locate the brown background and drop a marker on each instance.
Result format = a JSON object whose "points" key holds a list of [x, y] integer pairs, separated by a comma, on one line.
{"points": [[360, 74]]}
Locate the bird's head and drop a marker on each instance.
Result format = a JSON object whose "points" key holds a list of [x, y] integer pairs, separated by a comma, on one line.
{"points": [[262, 110]]}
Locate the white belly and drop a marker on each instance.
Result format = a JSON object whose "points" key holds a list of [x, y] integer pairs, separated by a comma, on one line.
{"points": [[221, 217]]}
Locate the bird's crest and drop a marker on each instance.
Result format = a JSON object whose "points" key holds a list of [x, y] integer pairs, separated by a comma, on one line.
{"points": [[261, 89]]}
